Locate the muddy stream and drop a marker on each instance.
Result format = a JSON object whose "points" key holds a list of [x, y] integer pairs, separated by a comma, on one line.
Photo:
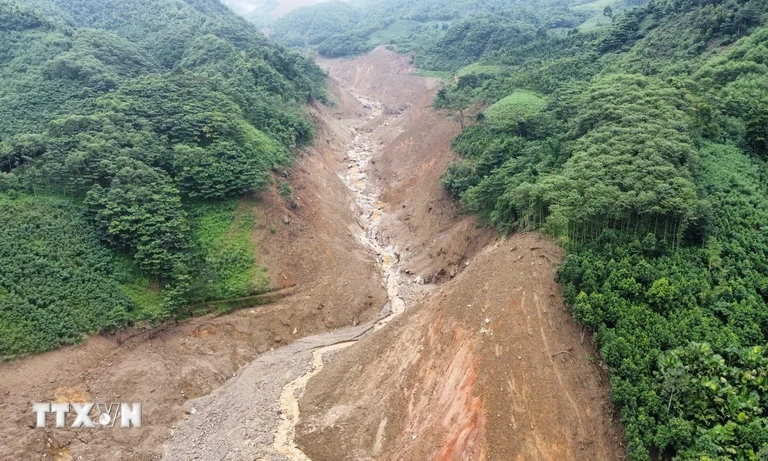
{"points": [[360, 152]]}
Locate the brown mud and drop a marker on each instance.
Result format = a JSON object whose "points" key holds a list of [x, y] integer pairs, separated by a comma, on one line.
{"points": [[409, 333]]}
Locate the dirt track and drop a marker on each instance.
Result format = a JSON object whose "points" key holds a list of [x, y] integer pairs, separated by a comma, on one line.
{"points": [[485, 363]]}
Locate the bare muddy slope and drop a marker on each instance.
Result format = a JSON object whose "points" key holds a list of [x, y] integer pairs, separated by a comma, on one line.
{"points": [[486, 364], [433, 239], [491, 366], [255, 415]]}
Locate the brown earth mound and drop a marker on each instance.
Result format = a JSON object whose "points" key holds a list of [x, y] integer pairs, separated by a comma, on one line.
{"points": [[492, 367]]}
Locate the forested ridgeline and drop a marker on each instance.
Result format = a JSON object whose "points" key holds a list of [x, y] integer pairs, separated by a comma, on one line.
{"points": [[128, 131], [642, 148], [444, 35]]}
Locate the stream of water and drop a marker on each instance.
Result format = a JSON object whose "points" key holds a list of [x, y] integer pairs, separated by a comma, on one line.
{"points": [[360, 152]]}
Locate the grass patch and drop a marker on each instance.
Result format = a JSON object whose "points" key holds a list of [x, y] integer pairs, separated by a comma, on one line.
{"points": [[594, 23], [147, 299], [433, 73], [597, 6], [403, 30], [225, 252]]}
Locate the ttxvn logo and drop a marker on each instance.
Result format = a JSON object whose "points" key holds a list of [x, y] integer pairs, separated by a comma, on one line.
{"points": [[90, 415]]}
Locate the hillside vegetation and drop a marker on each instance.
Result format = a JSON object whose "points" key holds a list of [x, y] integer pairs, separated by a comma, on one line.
{"points": [[641, 146], [128, 132], [445, 36]]}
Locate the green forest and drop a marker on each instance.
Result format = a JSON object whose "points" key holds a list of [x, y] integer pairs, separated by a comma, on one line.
{"points": [[636, 134], [642, 147], [130, 131], [443, 36], [134, 133]]}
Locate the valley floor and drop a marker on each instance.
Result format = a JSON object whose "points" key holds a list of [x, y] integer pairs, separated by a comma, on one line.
{"points": [[411, 333]]}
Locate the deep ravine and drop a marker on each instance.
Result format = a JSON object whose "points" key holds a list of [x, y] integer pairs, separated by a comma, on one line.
{"points": [[258, 410], [360, 152]]}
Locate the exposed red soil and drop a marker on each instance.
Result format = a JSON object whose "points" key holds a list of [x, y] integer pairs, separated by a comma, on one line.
{"points": [[488, 365], [491, 365]]}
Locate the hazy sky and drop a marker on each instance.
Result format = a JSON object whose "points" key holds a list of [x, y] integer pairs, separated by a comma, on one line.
{"points": [[283, 6]]}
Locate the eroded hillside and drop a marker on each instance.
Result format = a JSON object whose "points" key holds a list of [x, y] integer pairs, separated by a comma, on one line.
{"points": [[488, 366], [485, 362]]}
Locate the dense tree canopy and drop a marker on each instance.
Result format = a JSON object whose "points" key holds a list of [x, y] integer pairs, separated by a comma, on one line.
{"points": [[140, 114], [56, 280], [642, 147], [446, 35]]}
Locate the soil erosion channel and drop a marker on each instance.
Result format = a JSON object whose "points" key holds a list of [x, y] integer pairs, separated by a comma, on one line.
{"points": [[258, 410], [409, 333], [360, 152], [473, 355]]}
